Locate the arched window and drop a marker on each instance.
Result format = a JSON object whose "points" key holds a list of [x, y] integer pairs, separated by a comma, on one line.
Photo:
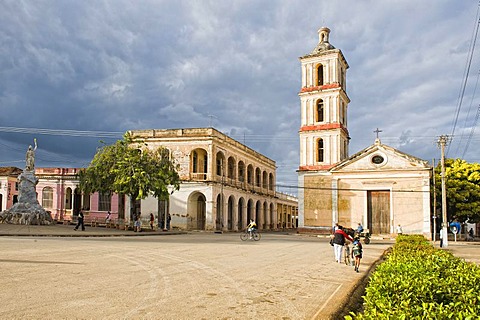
{"points": [[68, 199], [241, 171], [194, 162], [320, 150], [320, 111], [258, 177], [231, 168], [199, 164], [220, 164], [164, 153], [320, 75], [250, 174], [47, 197], [264, 180]]}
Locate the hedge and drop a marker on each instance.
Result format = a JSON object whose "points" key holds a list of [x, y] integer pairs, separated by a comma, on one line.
{"points": [[418, 281]]}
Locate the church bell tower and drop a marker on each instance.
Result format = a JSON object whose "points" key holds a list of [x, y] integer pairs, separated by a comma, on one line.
{"points": [[324, 102]]}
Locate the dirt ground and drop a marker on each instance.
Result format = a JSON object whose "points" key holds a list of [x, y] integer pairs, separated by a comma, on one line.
{"points": [[190, 276]]}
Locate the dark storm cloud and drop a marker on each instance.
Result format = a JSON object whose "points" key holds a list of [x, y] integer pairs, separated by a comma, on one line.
{"points": [[121, 65]]}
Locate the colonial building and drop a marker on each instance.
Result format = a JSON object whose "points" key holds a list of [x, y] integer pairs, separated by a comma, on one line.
{"points": [[58, 192], [379, 186], [8, 186], [224, 183]]}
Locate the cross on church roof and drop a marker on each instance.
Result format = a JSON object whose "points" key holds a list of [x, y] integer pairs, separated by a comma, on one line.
{"points": [[377, 132]]}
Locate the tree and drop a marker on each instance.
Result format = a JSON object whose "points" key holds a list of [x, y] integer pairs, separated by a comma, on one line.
{"points": [[462, 181], [129, 167]]}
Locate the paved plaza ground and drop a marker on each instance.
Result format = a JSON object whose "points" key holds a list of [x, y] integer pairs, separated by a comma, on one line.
{"points": [[197, 275]]}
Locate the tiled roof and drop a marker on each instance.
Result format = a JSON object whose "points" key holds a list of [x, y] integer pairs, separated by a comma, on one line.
{"points": [[10, 171]]}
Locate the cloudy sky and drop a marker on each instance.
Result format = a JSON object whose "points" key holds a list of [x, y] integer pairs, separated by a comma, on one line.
{"points": [[73, 73]]}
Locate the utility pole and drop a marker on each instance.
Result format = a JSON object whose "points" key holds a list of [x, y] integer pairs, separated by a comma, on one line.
{"points": [[443, 142]]}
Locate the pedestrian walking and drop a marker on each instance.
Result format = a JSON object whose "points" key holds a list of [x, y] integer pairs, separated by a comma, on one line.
{"points": [[80, 221], [357, 252], [339, 237], [107, 218]]}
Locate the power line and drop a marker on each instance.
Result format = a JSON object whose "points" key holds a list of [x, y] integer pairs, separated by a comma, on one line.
{"points": [[467, 71], [467, 117], [56, 132], [471, 132]]}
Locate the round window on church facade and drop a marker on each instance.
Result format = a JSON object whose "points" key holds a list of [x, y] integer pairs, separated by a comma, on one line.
{"points": [[378, 159]]}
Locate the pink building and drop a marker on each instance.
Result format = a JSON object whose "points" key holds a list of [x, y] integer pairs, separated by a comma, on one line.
{"points": [[58, 192], [8, 186]]}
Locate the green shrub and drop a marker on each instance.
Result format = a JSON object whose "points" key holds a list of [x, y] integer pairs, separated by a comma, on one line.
{"points": [[418, 281]]}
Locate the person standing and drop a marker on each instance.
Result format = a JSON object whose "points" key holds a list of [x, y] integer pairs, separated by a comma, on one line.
{"points": [[339, 237], [137, 225], [441, 237], [152, 220], [399, 229], [169, 217], [80, 221]]}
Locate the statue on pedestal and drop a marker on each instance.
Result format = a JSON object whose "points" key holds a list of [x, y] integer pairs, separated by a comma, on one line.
{"points": [[30, 157], [27, 210]]}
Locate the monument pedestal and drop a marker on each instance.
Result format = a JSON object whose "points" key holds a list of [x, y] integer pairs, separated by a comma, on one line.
{"points": [[27, 210]]}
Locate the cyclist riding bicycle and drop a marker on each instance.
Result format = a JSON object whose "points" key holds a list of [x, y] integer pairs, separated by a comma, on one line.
{"points": [[252, 226]]}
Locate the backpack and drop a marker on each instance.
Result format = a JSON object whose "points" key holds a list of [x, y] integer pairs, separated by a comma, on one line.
{"points": [[357, 249]]}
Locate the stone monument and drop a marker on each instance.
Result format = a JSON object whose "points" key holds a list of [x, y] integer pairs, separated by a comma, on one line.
{"points": [[27, 210]]}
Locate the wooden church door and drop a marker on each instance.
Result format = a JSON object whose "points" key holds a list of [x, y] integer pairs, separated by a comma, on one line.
{"points": [[378, 203]]}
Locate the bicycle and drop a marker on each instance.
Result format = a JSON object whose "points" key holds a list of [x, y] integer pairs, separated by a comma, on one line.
{"points": [[254, 235]]}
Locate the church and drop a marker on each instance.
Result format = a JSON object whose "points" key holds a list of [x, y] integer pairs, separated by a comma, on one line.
{"points": [[379, 186]]}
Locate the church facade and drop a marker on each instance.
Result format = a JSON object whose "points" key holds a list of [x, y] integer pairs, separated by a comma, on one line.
{"points": [[379, 187]]}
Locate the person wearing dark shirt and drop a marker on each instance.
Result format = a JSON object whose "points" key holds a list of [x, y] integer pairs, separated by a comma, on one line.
{"points": [[80, 222]]}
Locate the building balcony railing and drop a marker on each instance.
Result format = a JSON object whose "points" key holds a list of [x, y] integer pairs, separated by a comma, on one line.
{"points": [[233, 182], [198, 176]]}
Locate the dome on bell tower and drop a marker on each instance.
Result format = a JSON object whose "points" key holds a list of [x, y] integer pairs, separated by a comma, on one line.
{"points": [[323, 44]]}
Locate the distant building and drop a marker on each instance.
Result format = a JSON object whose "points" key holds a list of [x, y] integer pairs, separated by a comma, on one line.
{"points": [[8, 186], [223, 184], [58, 192], [379, 186]]}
